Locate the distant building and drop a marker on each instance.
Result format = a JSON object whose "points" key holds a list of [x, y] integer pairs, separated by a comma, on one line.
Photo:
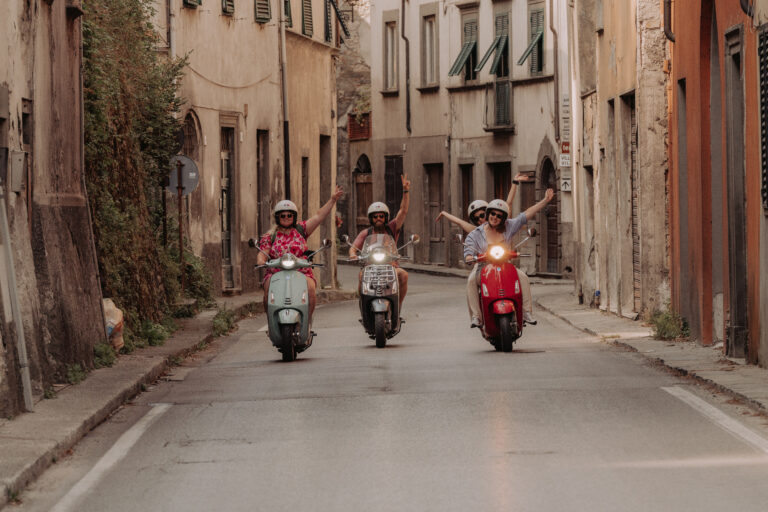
{"points": [[41, 174], [620, 180], [463, 97], [234, 122]]}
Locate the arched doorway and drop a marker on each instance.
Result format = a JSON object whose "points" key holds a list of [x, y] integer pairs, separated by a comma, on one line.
{"points": [[549, 222], [363, 191]]}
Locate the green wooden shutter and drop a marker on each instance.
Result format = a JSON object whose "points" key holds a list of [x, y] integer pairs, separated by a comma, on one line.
{"points": [[228, 7], [537, 32], [502, 33], [328, 27], [306, 18], [263, 10], [501, 111], [488, 53], [288, 18], [192, 3]]}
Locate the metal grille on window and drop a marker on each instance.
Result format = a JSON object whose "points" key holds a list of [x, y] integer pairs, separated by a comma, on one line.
{"points": [[762, 50], [228, 6], [306, 18], [263, 11]]}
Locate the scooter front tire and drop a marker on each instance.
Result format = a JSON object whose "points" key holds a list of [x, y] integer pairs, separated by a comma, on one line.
{"points": [[506, 334], [288, 349], [380, 329]]}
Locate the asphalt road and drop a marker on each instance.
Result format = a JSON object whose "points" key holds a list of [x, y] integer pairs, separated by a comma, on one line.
{"points": [[436, 421]]}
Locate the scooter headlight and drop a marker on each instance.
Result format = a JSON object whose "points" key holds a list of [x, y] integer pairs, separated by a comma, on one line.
{"points": [[379, 255], [288, 261], [497, 252]]}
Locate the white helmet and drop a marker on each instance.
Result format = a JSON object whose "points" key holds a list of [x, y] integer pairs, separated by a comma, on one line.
{"points": [[285, 206], [378, 207], [500, 205], [475, 205]]}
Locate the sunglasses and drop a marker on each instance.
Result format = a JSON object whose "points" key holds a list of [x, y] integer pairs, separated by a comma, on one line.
{"points": [[495, 214], [480, 215], [286, 215], [378, 216]]}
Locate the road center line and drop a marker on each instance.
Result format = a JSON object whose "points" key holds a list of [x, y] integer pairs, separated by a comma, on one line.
{"points": [[719, 417], [118, 451]]}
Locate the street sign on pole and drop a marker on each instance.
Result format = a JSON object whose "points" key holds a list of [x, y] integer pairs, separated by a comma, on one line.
{"points": [[190, 177]]}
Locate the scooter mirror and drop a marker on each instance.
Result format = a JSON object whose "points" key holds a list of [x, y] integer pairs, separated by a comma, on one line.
{"points": [[532, 232], [326, 243], [252, 243], [345, 239], [415, 239]]}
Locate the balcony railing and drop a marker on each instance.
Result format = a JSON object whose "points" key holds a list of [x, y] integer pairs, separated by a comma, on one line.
{"points": [[498, 107], [359, 126]]}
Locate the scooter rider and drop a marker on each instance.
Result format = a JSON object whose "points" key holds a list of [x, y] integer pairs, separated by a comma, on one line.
{"points": [[378, 216], [288, 235], [498, 230]]}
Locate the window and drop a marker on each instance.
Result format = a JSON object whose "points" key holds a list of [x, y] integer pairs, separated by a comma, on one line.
{"points": [[429, 50], [390, 56], [467, 58], [306, 18], [288, 19], [263, 11], [535, 49], [500, 64], [192, 3], [228, 7]]}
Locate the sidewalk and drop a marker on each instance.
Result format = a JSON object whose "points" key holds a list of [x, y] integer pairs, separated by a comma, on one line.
{"points": [[33, 441]]}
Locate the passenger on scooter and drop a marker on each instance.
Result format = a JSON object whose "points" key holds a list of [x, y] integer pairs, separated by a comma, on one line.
{"points": [[498, 230], [476, 210], [288, 235], [378, 216]]}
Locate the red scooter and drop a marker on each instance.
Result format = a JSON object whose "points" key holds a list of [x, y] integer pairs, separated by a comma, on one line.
{"points": [[501, 297]]}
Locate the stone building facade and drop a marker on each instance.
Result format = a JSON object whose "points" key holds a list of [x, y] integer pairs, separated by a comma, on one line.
{"points": [[234, 122], [52, 254], [718, 150], [620, 180], [464, 96]]}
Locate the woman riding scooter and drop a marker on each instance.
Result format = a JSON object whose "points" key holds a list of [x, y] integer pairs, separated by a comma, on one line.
{"points": [[290, 236], [498, 230]]}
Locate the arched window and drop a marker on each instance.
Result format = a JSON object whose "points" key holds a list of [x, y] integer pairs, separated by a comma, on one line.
{"points": [[191, 147]]}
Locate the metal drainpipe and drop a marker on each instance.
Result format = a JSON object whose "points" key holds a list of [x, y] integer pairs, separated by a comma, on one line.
{"points": [[18, 324], [286, 124], [171, 35], [407, 70], [557, 74], [746, 8], [668, 20]]}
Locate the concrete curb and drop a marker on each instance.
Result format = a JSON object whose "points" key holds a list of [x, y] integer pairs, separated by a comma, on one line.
{"points": [[32, 442]]}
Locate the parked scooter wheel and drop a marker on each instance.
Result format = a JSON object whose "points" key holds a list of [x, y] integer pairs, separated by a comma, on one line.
{"points": [[380, 329], [506, 333], [289, 350]]}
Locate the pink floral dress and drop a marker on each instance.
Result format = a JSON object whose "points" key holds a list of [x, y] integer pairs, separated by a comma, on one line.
{"points": [[292, 243]]}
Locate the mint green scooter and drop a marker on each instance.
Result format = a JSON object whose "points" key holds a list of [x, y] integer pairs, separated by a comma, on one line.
{"points": [[288, 303]]}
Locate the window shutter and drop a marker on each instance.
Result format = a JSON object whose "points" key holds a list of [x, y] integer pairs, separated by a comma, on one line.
{"points": [[537, 27], [288, 18], [306, 18], [501, 117], [192, 3], [228, 7], [762, 51], [328, 27], [263, 10]]}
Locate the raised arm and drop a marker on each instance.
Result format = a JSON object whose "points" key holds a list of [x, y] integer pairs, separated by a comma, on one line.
{"points": [[400, 218], [323, 212], [513, 189], [533, 210], [466, 226]]}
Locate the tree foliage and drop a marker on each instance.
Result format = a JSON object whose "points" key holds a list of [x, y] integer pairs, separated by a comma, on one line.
{"points": [[131, 101]]}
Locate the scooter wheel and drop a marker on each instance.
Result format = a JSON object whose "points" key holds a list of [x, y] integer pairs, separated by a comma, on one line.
{"points": [[506, 334], [380, 329], [288, 350]]}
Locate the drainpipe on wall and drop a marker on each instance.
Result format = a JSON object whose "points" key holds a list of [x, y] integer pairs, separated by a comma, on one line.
{"points": [[286, 124], [18, 325], [171, 35], [407, 69], [557, 73], [746, 8], [668, 20]]}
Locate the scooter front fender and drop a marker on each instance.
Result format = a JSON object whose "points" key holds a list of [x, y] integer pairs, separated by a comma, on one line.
{"points": [[380, 305], [503, 307], [288, 316]]}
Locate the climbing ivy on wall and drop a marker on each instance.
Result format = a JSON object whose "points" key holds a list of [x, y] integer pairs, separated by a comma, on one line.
{"points": [[131, 97]]}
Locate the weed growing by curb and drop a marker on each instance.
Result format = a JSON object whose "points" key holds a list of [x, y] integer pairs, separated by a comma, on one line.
{"points": [[103, 355], [669, 325], [223, 322], [49, 393], [75, 374]]}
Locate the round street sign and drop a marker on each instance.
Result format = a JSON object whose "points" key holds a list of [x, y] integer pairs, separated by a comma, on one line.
{"points": [[189, 175]]}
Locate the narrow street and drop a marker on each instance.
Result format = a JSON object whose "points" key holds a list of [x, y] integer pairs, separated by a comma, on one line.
{"points": [[436, 421]]}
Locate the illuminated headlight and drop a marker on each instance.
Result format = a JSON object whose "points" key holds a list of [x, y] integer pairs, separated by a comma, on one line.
{"points": [[497, 252], [288, 261], [379, 256]]}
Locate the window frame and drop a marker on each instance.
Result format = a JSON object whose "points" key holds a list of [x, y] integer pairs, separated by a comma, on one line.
{"points": [[390, 72], [429, 46], [466, 61]]}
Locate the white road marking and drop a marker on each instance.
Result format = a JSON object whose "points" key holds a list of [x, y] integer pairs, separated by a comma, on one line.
{"points": [[118, 451], [719, 418], [264, 329]]}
